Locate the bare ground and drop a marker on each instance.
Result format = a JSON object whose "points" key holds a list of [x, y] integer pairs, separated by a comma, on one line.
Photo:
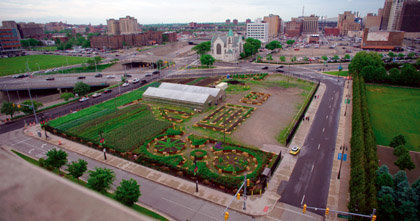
{"points": [[386, 156]]}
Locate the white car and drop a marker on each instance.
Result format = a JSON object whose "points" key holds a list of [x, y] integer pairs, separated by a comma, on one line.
{"points": [[135, 81], [96, 94], [83, 99], [110, 76], [125, 84]]}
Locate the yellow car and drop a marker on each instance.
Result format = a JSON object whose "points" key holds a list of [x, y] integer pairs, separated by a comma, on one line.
{"points": [[295, 150]]}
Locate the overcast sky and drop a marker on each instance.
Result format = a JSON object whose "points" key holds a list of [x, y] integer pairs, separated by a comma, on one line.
{"points": [[174, 11]]}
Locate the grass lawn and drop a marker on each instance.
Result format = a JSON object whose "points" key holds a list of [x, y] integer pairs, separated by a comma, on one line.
{"points": [[136, 207], [340, 73], [47, 48], [17, 65], [394, 111], [99, 68]]}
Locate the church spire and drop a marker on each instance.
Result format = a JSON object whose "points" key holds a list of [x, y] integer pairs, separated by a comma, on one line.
{"points": [[230, 32]]}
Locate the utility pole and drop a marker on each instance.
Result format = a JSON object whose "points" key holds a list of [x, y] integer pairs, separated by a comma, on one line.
{"points": [[33, 107]]}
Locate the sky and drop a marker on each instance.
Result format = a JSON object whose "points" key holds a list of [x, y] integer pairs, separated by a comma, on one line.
{"points": [[174, 11]]}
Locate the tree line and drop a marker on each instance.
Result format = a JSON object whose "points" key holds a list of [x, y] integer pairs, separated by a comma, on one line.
{"points": [[364, 160], [371, 67]]}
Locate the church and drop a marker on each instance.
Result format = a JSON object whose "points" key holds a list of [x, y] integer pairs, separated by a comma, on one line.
{"points": [[227, 48]]}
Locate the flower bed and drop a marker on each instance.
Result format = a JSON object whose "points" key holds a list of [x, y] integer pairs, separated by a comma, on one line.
{"points": [[198, 154], [256, 77], [168, 145], [225, 118], [256, 98]]}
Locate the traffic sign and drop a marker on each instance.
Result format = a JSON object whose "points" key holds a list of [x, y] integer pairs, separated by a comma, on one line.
{"points": [[344, 216]]}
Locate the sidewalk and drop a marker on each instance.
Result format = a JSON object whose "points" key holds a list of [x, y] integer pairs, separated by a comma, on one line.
{"points": [[257, 205], [338, 195]]}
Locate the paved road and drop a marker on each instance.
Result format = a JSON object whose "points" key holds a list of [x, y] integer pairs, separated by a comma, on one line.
{"points": [[179, 205]]}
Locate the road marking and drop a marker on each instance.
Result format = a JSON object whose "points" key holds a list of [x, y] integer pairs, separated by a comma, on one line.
{"points": [[319, 146], [323, 129], [31, 150], [21, 141], [313, 165], [42, 146], [327, 117], [301, 202]]}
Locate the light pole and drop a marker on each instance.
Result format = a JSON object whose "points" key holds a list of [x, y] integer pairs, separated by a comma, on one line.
{"points": [[33, 107], [195, 174]]}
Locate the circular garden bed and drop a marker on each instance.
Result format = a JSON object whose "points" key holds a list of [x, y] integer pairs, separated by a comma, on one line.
{"points": [[231, 163], [169, 145], [198, 154]]}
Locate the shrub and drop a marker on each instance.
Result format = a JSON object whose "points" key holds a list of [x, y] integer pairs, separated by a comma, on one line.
{"points": [[128, 192], [100, 179]]}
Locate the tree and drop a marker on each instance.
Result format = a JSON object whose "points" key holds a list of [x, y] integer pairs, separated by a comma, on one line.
{"points": [[97, 59], [100, 179], [411, 55], [90, 63], [290, 42], [128, 192], [81, 88], [395, 76], [159, 64], [56, 158], [259, 59], [66, 96], [269, 57], [363, 59], [391, 54], [282, 58], [383, 177], [251, 46], [273, 45], [401, 56], [293, 59], [386, 202], [77, 169], [336, 58], [398, 141], [409, 75], [26, 106], [347, 56], [202, 48], [404, 161], [325, 58], [9, 108], [207, 59]]}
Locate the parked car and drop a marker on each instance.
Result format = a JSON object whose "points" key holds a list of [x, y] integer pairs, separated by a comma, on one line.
{"points": [[127, 75], [125, 84], [96, 95], [107, 91], [156, 72], [50, 79], [110, 76], [265, 68], [295, 150], [135, 81], [83, 99], [148, 75], [281, 66], [280, 71], [98, 75], [81, 77]]}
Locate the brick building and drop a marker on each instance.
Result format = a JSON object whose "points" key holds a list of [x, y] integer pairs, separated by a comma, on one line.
{"points": [[382, 40], [310, 24], [372, 21], [123, 26], [130, 40], [9, 42], [274, 25], [235, 21], [385, 14], [410, 17], [26, 30], [169, 36], [227, 21], [293, 27], [331, 31]]}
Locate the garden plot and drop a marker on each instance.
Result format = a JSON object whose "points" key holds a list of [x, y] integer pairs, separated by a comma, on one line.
{"points": [[174, 115], [255, 77], [225, 118], [256, 98]]}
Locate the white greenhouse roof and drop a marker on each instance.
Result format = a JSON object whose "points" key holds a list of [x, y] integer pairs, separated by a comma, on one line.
{"points": [[191, 89], [176, 95]]}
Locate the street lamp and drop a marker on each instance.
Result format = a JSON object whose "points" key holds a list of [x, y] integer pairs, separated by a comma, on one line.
{"points": [[195, 173]]}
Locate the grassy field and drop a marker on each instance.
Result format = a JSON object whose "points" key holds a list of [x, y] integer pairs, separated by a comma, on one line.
{"points": [[340, 73], [98, 68], [17, 65], [47, 48], [395, 111]]}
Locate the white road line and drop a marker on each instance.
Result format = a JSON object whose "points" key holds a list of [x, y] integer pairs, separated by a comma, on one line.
{"points": [[31, 150], [323, 129], [312, 169], [319, 146], [301, 202], [21, 141], [182, 205], [327, 116]]}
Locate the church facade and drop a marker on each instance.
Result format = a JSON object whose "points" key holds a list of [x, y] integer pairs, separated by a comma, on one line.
{"points": [[227, 47]]}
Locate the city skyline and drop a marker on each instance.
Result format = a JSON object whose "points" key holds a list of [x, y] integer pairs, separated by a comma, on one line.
{"points": [[171, 11]]}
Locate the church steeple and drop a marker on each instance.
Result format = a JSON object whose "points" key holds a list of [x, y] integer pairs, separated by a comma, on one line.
{"points": [[230, 33]]}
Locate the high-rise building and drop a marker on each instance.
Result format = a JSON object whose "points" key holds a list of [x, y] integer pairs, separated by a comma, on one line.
{"points": [[127, 25], [12, 25], [9, 42], [347, 22], [235, 21], [294, 27], [385, 14], [372, 21], [274, 25], [248, 21], [227, 21], [395, 14], [410, 17], [310, 24], [257, 30]]}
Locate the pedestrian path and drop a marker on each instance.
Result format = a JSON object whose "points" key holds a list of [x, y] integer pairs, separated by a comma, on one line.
{"points": [[257, 205]]}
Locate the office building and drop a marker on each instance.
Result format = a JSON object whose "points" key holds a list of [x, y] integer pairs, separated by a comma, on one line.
{"points": [[274, 25], [257, 30], [293, 28], [347, 22], [129, 40], [382, 40], [310, 24], [395, 14], [410, 17], [385, 14], [9, 42], [372, 21]]}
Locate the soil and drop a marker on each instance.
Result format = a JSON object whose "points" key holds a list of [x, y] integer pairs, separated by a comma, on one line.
{"points": [[386, 156], [179, 81], [207, 81]]}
